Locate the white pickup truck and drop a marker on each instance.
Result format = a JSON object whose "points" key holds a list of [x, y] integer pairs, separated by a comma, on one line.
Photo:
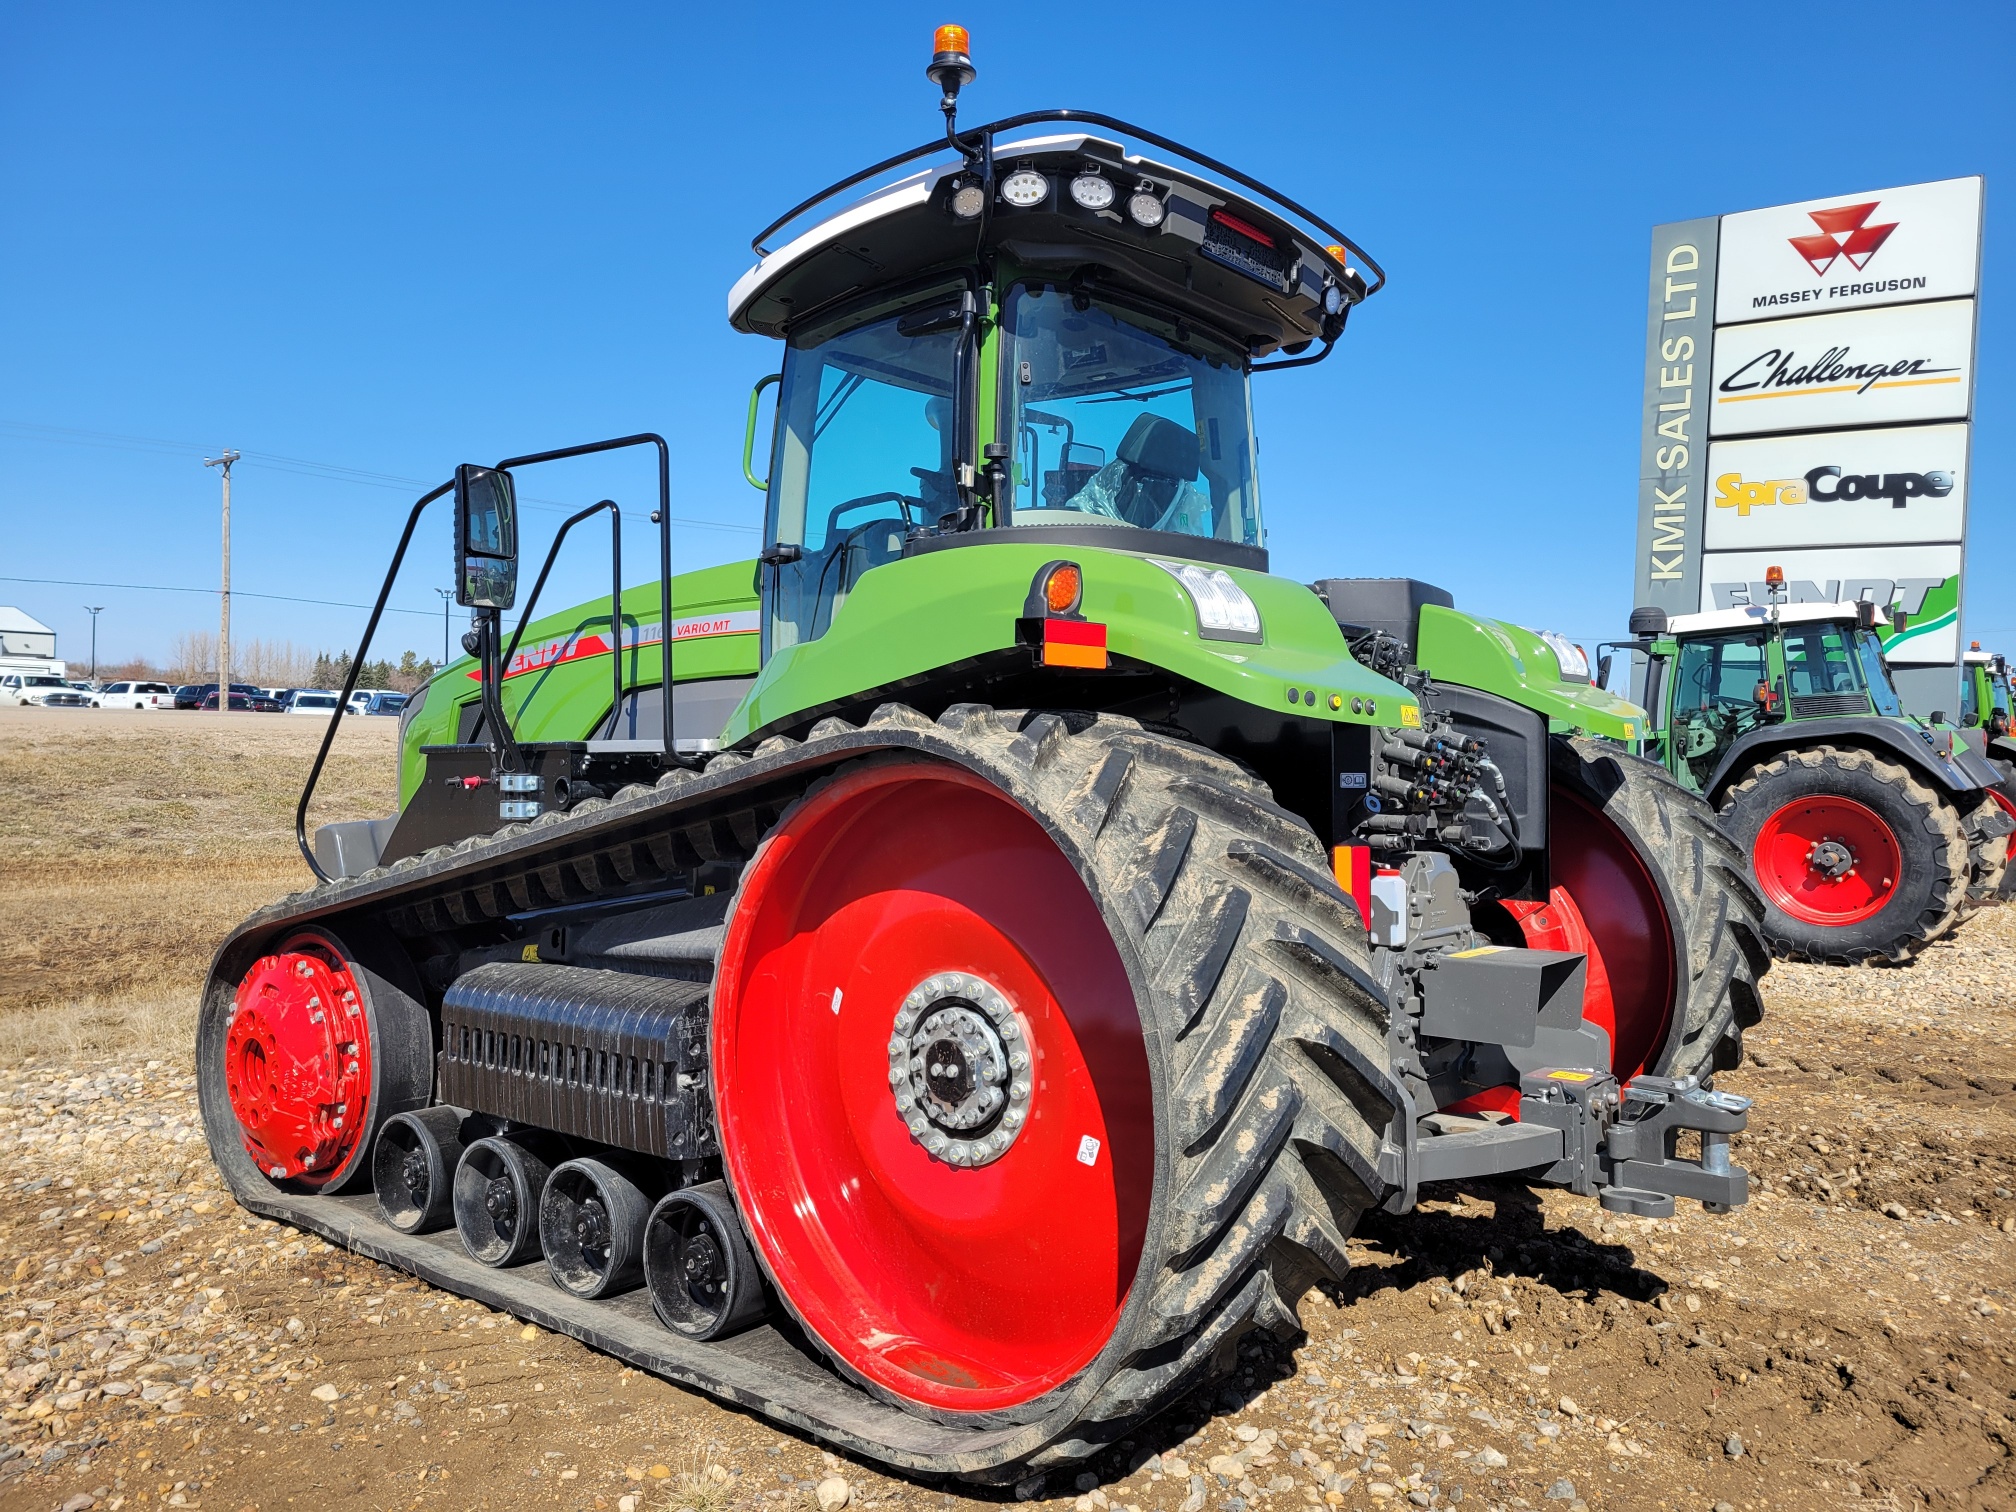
{"points": [[134, 695]]}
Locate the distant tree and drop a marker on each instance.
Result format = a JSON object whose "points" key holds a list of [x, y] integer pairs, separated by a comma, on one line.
{"points": [[411, 672], [324, 673], [375, 674]]}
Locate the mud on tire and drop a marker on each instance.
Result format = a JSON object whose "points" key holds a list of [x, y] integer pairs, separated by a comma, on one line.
{"points": [[1933, 849], [1264, 1033], [1716, 916]]}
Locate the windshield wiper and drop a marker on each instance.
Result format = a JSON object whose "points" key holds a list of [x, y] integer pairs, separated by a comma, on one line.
{"points": [[1141, 397]]}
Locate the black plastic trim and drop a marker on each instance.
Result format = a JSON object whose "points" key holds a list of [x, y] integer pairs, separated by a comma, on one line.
{"points": [[1127, 538]]}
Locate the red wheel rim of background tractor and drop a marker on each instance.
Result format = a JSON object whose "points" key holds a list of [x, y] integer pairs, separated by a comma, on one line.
{"points": [[970, 1289], [1606, 905], [297, 1061], [1784, 848]]}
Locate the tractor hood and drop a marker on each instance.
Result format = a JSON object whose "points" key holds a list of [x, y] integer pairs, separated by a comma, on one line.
{"points": [[1516, 663]]}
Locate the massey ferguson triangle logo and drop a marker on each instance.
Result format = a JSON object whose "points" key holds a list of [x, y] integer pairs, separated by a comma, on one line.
{"points": [[1844, 234]]}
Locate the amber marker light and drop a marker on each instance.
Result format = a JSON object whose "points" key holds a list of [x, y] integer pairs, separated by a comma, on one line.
{"points": [[951, 39], [1775, 576], [1063, 589]]}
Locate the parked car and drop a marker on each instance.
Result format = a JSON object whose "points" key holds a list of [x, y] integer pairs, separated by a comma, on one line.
{"points": [[42, 689], [254, 702], [191, 695], [311, 701], [383, 701], [134, 695]]}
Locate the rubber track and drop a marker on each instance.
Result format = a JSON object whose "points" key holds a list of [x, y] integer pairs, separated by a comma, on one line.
{"points": [[1265, 1031], [1723, 955], [1941, 824]]}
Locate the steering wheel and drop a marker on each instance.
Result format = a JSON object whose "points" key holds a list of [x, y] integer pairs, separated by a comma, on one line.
{"points": [[903, 501]]}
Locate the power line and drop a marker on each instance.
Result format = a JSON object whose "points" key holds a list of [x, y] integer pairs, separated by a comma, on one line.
{"points": [[280, 598], [298, 466]]}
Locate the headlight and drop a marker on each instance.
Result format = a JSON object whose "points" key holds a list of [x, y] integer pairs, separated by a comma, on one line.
{"points": [[1146, 209], [1224, 612], [968, 200], [1333, 300], [1092, 191], [1574, 665], [1025, 187]]}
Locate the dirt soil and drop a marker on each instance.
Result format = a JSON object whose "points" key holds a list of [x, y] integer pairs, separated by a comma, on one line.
{"points": [[1843, 1340]]}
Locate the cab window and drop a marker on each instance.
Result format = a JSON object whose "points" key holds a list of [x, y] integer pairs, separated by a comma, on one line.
{"points": [[1715, 683]]}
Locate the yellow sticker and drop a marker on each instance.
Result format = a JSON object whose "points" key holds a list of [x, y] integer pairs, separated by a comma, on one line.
{"points": [[1475, 950], [529, 953], [1630, 730], [1570, 1076], [1410, 716]]}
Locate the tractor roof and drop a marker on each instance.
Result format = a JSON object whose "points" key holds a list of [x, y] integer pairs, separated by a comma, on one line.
{"points": [[1757, 614], [1254, 266]]}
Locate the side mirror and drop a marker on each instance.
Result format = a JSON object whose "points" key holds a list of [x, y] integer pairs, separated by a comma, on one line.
{"points": [[1603, 670], [486, 538]]}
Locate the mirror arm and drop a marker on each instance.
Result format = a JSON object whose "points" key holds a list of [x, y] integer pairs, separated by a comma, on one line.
{"points": [[749, 435], [350, 681]]}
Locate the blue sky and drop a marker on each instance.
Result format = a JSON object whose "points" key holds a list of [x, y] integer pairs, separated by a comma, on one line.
{"points": [[363, 243]]}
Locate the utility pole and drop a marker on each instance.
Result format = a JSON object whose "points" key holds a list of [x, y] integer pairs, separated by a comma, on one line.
{"points": [[224, 635], [447, 597], [94, 610]]}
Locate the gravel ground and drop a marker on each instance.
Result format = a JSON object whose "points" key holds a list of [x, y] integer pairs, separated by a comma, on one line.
{"points": [[1842, 1340]]}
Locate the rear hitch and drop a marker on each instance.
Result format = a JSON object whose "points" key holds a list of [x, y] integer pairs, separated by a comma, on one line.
{"points": [[1623, 1143]]}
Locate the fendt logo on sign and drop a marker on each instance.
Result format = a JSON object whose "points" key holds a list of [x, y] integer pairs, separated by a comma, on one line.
{"points": [[1844, 232]]}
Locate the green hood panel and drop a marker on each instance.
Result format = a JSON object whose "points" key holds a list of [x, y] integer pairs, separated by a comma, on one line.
{"points": [[1512, 662], [912, 618], [557, 687]]}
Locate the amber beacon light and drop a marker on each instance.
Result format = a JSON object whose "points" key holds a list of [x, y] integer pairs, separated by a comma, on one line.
{"points": [[951, 59]]}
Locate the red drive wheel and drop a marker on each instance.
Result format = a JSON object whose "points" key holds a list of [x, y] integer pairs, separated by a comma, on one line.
{"points": [[933, 1089], [1827, 859], [297, 1062]]}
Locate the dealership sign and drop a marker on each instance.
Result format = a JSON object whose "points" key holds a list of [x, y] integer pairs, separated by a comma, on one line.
{"points": [[1809, 389], [1851, 252]]}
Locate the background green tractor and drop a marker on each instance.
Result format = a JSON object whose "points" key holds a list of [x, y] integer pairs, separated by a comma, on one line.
{"points": [[1031, 934], [1870, 834]]}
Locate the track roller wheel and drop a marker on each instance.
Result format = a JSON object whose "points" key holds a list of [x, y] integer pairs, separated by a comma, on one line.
{"points": [[697, 1262], [1047, 1070], [303, 1053], [413, 1169], [1856, 858], [498, 1185], [591, 1226]]}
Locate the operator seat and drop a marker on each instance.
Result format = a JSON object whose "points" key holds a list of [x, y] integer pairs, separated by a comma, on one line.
{"points": [[1150, 481]]}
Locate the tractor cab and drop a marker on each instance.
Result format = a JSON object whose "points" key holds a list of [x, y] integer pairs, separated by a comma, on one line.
{"points": [[1041, 337], [1716, 677], [1984, 693]]}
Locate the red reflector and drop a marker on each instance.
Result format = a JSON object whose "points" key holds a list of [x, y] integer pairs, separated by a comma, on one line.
{"points": [[1352, 866], [1074, 643], [1252, 233]]}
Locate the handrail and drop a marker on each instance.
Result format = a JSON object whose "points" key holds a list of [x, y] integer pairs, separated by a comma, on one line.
{"points": [[983, 137], [350, 681], [615, 609], [662, 518]]}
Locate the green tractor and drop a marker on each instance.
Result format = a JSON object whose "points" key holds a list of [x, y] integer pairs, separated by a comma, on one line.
{"points": [[1030, 934], [1870, 833]]}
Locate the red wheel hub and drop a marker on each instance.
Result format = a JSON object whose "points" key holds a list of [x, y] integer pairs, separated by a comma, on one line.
{"points": [[1826, 859], [973, 1279], [297, 1061]]}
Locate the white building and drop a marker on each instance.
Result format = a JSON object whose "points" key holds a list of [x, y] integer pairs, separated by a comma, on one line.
{"points": [[26, 644]]}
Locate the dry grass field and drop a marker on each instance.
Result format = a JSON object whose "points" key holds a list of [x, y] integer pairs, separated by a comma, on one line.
{"points": [[131, 842], [1843, 1340]]}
